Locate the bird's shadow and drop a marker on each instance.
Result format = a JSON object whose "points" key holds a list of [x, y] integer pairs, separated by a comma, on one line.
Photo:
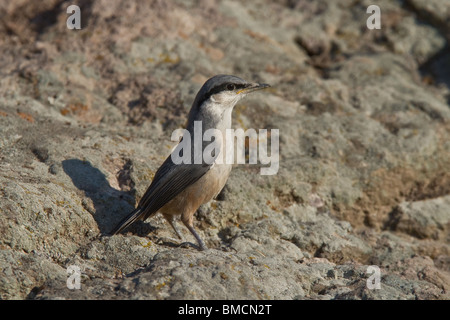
{"points": [[110, 205]]}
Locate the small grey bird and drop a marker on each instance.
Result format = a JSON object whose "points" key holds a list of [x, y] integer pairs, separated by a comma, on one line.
{"points": [[180, 189]]}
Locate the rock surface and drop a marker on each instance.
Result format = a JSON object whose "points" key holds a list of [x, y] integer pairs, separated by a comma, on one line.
{"points": [[364, 180]]}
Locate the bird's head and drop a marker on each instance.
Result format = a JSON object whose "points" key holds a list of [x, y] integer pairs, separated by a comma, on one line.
{"points": [[226, 90]]}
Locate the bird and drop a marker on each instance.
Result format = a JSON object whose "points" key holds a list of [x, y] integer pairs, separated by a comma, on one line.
{"points": [[179, 189]]}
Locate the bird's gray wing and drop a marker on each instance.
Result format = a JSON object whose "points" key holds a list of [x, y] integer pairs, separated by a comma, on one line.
{"points": [[169, 181]]}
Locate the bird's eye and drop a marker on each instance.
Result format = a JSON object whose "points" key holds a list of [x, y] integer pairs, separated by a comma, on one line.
{"points": [[231, 87]]}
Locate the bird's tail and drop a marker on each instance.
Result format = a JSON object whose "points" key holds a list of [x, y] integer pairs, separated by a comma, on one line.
{"points": [[127, 221]]}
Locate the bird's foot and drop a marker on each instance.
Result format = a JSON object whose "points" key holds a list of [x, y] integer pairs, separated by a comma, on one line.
{"points": [[227, 248], [186, 244]]}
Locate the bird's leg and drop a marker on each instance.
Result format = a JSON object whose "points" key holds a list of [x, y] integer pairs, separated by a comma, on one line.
{"points": [[172, 222], [201, 245], [189, 224]]}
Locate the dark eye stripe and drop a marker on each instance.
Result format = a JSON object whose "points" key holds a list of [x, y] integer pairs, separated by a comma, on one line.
{"points": [[220, 88], [240, 86], [224, 87]]}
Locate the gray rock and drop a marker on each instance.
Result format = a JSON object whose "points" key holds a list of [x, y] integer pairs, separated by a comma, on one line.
{"points": [[423, 219], [86, 118]]}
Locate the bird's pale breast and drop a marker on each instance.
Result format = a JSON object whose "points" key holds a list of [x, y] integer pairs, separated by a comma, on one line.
{"points": [[200, 192]]}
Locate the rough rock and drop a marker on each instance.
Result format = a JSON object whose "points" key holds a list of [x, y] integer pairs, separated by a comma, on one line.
{"points": [[86, 118]]}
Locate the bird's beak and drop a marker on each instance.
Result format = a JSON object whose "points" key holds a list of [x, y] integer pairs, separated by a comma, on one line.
{"points": [[253, 87]]}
